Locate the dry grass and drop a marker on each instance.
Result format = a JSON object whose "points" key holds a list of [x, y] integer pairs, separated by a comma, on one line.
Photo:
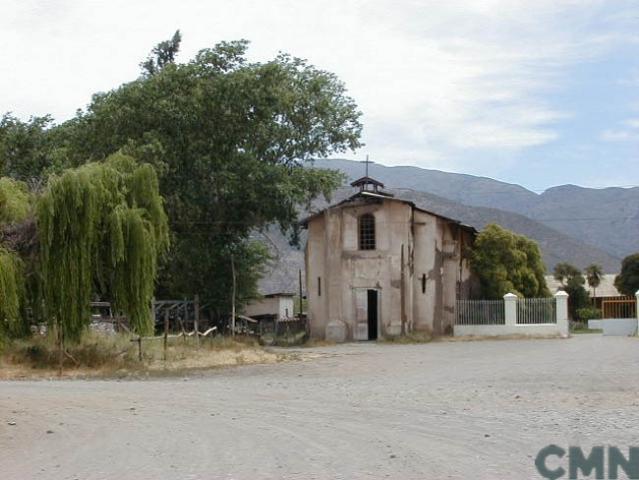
{"points": [[100, 355], [314, 343], [409, 338]]}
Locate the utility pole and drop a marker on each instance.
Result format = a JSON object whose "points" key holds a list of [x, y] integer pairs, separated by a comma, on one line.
{"points": [[402, 293], [301, 295]]}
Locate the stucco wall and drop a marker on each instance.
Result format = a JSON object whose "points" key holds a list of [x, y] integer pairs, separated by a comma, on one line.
{"points": [[431, 248], [333, 255], [315, 269], [427, 263], [545, 329], [280, 306]]}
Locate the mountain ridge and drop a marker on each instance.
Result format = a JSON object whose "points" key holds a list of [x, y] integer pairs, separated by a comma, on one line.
{"points": [[282, 275], [606, 218]]}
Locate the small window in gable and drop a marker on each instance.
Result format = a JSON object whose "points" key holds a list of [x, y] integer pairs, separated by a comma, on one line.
{"points": [[367, 232]]}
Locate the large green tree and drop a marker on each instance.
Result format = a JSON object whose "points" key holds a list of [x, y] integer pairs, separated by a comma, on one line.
{"points": [[25, 147], [96, 229], [567, 274], [508, 263], [101, 228], [231, 141], [572, 282], [627, 282], [15, 208]]}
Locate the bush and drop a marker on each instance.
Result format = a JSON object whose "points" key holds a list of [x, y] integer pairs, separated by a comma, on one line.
{"points": [[589, 313]]}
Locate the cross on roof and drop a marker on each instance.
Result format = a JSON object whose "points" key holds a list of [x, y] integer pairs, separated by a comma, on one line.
{"points": [[366, 182]]}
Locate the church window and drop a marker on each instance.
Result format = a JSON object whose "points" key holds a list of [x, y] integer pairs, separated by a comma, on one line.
{"points": [[367, 232]]}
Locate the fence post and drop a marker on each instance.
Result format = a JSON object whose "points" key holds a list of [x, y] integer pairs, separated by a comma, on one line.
{"points": [[510, 305], [166, 330], [561, 298], [637, 310], [196, 319]]}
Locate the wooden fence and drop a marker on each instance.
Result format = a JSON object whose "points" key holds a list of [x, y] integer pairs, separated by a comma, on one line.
{"points": [[619, 307]]}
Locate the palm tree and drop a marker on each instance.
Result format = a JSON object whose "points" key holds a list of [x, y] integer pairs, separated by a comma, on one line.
{"points": [[594, 273]]}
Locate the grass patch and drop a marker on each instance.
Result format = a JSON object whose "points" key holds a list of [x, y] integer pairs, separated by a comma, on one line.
{"points": [[585, 331], [101, 355], [315, 343], [579, 328]]}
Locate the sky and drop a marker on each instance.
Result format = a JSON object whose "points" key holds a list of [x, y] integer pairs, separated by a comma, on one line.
{"points": [[534, 92]]}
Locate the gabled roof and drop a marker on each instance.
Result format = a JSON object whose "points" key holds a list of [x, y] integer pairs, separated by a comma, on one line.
{"points": [[279, 294], [381, 196], [367, 181]]}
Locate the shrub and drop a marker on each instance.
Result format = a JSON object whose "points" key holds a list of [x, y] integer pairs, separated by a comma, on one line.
{"points": [[589, 313]]}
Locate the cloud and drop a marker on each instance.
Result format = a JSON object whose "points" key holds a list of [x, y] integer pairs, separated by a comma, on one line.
{"points": [[619, 136], [437, 81], [627, 133], [484, 70]]}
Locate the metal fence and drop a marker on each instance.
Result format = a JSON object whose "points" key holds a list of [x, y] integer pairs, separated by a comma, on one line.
{"points": [[480, 312], [531, 311], [619, 307]]}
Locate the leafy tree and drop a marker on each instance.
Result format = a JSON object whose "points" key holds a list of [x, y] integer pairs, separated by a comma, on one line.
{"points": [[231, 141], [15, 207], [24, 147], [508, 263], [15, 202], [594, 274], [566, 273], [572, 282], [163, 54], [627, 282], [102, 228]]}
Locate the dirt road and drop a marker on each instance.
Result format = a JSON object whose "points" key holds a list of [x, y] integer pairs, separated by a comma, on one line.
{"points": [[443, 410]]}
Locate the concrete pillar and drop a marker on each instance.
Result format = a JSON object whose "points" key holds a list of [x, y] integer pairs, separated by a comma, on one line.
{"points": [[561, 298], [510, 304]]}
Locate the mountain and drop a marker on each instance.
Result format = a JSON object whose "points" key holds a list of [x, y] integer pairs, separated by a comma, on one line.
{"points": [[606, 218], [555, 246]]}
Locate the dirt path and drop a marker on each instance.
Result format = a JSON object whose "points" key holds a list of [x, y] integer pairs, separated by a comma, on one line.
{"points": [[443, 410]]}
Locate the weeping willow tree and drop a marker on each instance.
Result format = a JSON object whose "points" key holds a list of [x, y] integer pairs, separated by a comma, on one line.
{"points": [[14, 201], [11, 294], [14, 208], [102, 228]]}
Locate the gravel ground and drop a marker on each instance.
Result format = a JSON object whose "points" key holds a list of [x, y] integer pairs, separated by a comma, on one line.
{"points": [[442, 410]]}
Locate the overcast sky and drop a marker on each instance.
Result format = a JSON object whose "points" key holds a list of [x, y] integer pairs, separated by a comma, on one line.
{"points": [[536, 92]]}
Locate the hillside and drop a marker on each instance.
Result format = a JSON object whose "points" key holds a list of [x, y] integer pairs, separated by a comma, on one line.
{"points": [[605, 218]]}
